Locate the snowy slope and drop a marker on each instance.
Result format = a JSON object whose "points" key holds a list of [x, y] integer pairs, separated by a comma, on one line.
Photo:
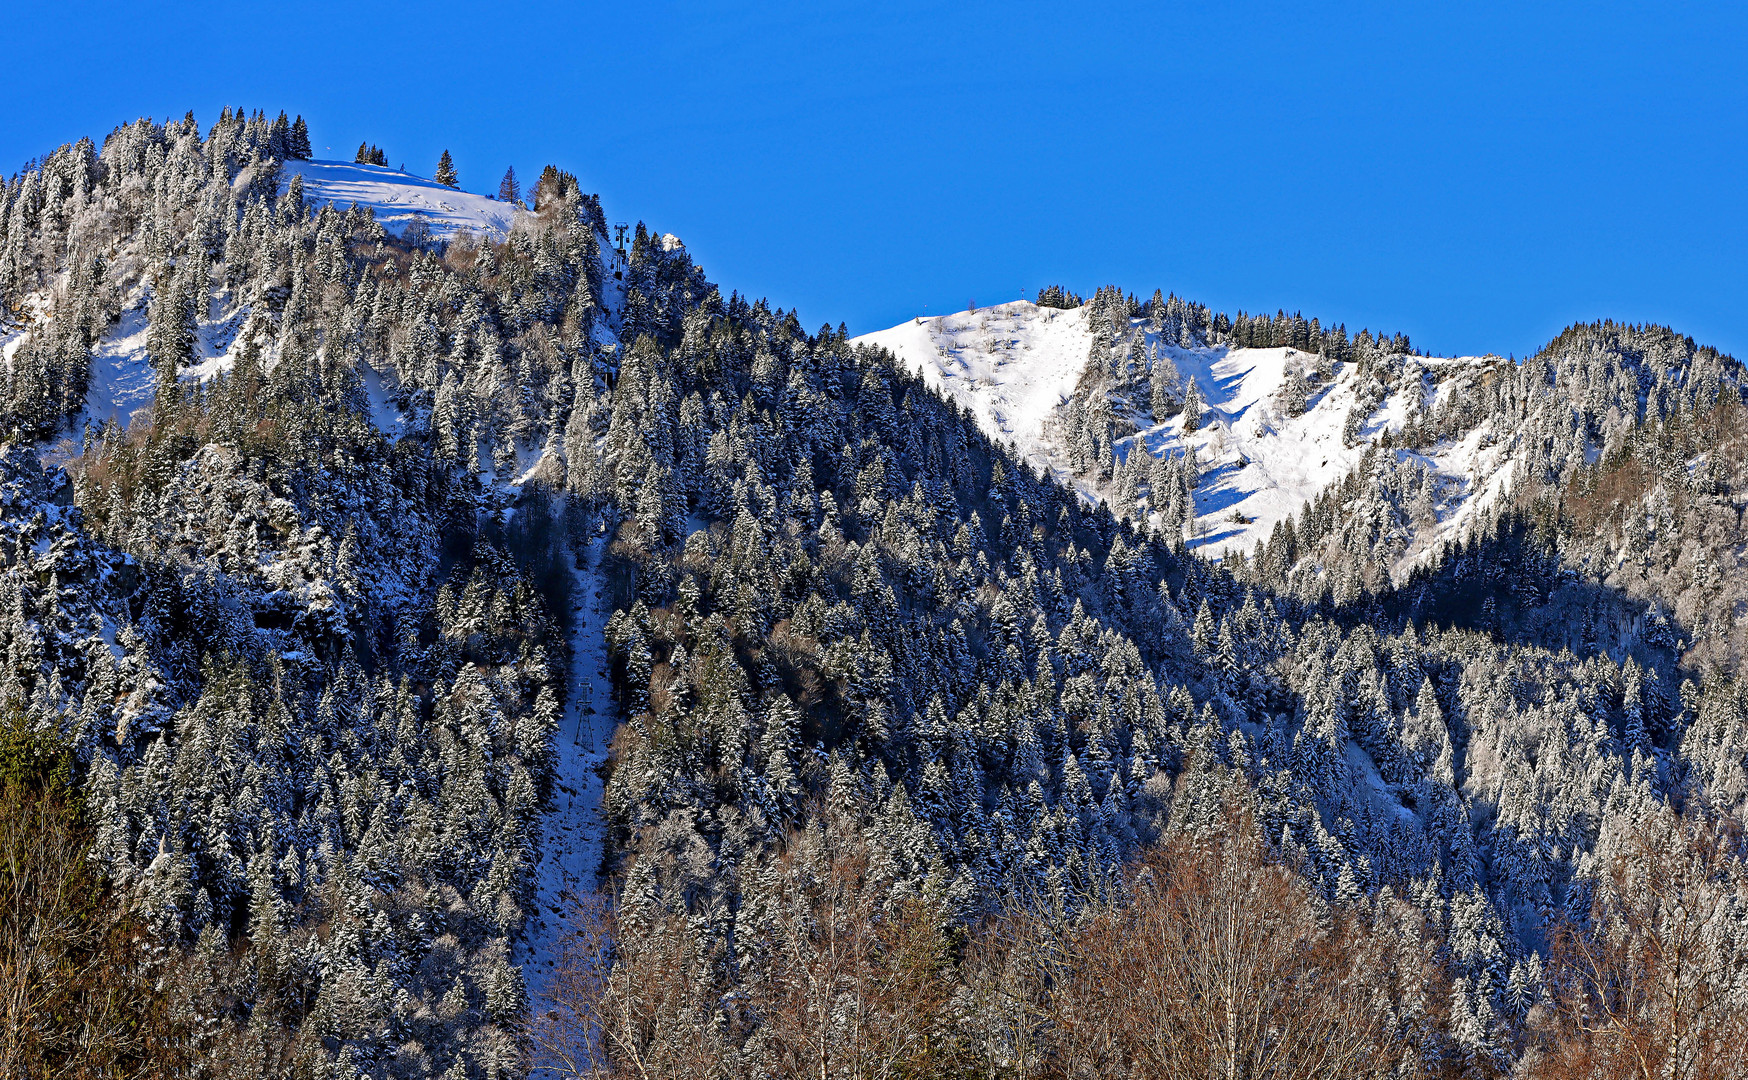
{"points": [[1015, 365], [1012, 364], [1264, 465], [399, 198], [573, 832], [122, 380], [1259, 463]]}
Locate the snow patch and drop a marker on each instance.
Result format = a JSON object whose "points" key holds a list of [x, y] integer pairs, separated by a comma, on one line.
{"points": [[399, 198], [384, 413], [122, 380], [1014, 365]]}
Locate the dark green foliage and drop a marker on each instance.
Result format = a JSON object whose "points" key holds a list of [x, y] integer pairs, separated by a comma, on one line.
{"points": [[1057, 297]]}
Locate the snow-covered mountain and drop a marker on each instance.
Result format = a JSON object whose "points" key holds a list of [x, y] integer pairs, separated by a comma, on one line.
{"points": [[1259, 455], [122, 379], [400, 198], [497, 563]]}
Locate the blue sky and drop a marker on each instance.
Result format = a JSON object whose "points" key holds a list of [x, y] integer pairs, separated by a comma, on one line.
{"points": [[1477, 175]]}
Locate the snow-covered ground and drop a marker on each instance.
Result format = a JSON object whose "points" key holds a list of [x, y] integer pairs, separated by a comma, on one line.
{"points": [[1014, 365], [1011, 364], [572, 832], [1259, 463], [122, 382], [400, 198], [1262, 465]]}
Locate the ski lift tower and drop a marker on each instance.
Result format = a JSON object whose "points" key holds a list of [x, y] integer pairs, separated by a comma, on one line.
{"points": [[620, 228]]}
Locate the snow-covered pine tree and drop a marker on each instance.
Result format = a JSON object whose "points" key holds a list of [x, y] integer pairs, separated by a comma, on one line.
{"points": [[1192, 409]]}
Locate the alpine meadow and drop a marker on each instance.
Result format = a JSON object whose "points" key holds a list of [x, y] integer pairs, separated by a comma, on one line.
{"points": [[446, 635]]}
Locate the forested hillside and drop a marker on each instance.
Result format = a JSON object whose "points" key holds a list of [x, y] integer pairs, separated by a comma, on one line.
{"points": [[329, 551]]}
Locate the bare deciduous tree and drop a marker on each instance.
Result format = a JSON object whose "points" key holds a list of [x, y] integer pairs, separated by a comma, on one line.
{"points": [[854, 986], [1653, 988], [630, 998], [1225, 965], [76, 986]]}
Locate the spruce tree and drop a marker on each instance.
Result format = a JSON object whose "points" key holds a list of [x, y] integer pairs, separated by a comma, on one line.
{"points": [[1192, 406], [297, 144], [1295, 392], [508, 189], [1159, 388], [446, 171], [278, 136]]}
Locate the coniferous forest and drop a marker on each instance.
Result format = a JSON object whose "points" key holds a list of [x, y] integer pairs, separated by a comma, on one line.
{"points": [[905, 756]]}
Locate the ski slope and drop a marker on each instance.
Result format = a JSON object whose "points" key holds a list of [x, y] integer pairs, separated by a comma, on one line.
{"points": [[1015, 366], [400, 198], [573, 833]]}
